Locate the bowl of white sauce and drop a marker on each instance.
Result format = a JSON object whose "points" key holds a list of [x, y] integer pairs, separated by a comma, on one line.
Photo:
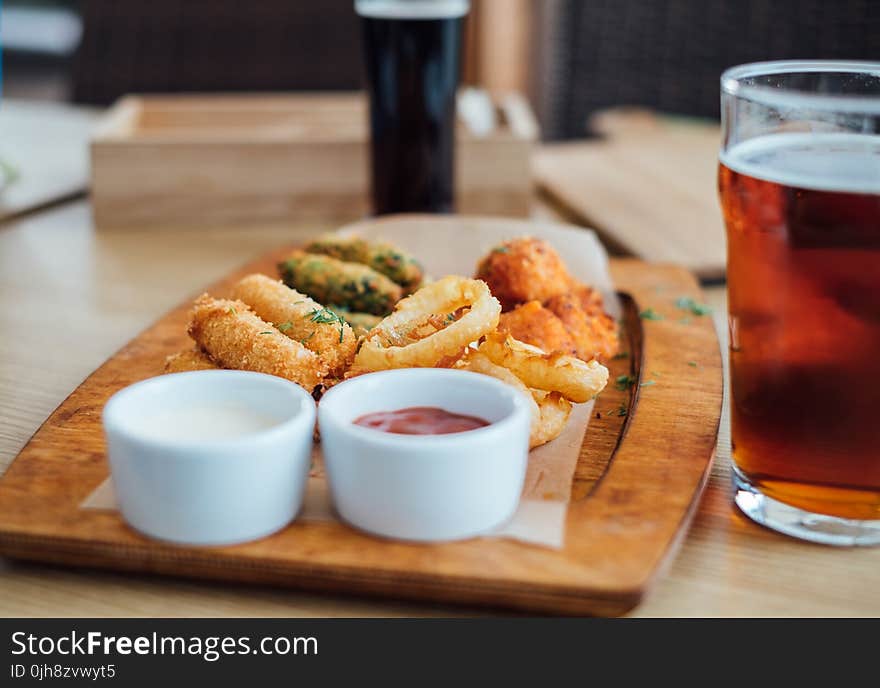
{"points": [[211, 457]]}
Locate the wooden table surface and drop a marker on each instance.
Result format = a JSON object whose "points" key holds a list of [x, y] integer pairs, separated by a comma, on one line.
{"points": [[71, 296], [621, 183]]}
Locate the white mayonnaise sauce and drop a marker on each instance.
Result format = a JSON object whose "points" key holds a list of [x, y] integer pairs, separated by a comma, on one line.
{"points": [[205, 422]]}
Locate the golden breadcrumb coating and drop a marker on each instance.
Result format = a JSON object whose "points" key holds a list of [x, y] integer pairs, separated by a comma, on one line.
{"points": [[589, 298], [533, 324], [301, 318], [594, 333], [235, 337], [524, 269]]}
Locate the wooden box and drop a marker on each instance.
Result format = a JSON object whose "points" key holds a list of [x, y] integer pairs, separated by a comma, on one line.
{"points": [[226, 159]]}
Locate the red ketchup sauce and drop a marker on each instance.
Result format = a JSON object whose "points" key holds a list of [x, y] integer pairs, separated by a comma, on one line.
{"points": [[420, 420]]}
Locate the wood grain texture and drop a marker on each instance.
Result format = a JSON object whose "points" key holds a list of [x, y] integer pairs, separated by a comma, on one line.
{"points": [[620, 528], [70, 297], [499, 56], [648, 186], [178, 159]]}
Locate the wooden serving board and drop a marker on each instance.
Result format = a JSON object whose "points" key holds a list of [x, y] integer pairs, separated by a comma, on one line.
{"points": [[622, 184], [637, 483]]}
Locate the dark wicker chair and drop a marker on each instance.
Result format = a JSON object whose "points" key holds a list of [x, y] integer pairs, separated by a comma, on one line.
{"points": [[215, 45], [592, 54], [668, 54]]}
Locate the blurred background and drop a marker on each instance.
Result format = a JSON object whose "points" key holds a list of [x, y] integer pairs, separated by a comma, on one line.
{"points": [[569, 57]]}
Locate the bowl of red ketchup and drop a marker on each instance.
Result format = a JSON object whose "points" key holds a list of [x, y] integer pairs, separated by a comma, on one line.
{"points": [[425, 454]]}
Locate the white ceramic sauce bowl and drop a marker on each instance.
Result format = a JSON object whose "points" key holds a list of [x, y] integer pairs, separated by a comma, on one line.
{"points": [[425, 487], [195, 488]]}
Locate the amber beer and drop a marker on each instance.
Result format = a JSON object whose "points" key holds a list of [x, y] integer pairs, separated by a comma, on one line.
{"points": [[803, 227]]}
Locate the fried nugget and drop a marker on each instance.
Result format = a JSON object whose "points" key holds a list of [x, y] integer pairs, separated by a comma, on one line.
{"points": [[383, 257], [189, 359], [589, 298], [338, 283], [594, 333], [235, 337], [524, 269], [301, 318], [533, 324]]}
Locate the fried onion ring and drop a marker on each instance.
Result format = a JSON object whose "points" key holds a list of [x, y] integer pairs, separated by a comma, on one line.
{"points": [[476, 362], [392, 344], [549, 410], [555, 410], [574, 379]]}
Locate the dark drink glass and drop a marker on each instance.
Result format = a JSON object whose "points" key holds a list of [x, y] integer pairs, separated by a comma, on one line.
{"points": [[412, 50], [799, 182]]}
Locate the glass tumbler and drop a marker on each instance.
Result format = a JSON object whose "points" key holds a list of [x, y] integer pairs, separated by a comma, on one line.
{"points": [[799, 183]]}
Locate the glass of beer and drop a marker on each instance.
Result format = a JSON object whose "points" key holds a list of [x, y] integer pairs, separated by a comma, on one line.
{"points": [[799, 181], [412, 50]]}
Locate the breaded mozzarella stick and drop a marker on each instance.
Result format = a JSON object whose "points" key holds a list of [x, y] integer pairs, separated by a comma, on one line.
{"points": [[301, 318], [235, 337]]}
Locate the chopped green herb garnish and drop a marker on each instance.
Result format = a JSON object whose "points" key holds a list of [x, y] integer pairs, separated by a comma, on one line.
{"points": [[624, 382], [686, 303], [304, 340], [232, 310], [693, 364], [621, 354], [284, 326], [501, 249], [267, 332], [325, 316], [622, 410], [647, 383], [651, 314]]}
